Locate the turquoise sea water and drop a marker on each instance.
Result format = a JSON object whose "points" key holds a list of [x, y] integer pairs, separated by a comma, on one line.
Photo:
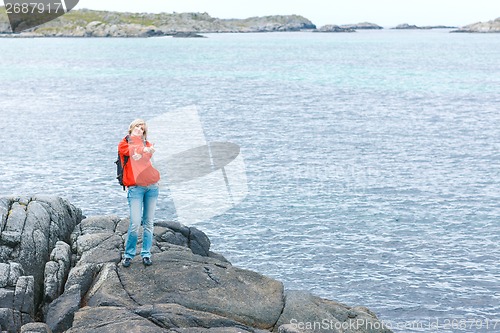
{"points": [[373, 158]]}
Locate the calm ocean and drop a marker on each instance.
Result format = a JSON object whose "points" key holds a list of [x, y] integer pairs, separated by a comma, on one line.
{"points": [[373, 158]]}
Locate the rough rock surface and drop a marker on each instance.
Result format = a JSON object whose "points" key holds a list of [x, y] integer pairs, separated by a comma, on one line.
{"points": [[59, 273], [32, 231]]}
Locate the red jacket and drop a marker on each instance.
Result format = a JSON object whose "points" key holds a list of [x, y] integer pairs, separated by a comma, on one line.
{"points": [[137, 172]]}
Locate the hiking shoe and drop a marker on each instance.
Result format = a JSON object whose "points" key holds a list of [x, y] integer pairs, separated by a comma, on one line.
{"points": [[127, 262], [146, 261]]}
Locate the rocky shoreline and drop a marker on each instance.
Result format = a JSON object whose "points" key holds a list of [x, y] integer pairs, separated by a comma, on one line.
{"points": [[61, 272], [406, 26], [482, 27], [92, 23]]}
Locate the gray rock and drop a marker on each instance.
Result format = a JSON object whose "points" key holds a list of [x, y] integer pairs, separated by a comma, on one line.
{"points": [[112, 320], [97, 224], [31, 228], [10, 238], [95, 240], [199, 242], [172, 237], [15, 272], [304, 312], [108, 290], [10, 320], [6, 298], [24, 298], [175, 316], [56, 271], [36, 328], [61, 312], [289, 328], [205, 284], [82, 276], [4, 275], [188, 289], [99, 248], [16, 218]]}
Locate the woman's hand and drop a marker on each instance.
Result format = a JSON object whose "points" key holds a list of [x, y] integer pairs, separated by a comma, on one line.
{"points": [[136, 156], [150, 149]]}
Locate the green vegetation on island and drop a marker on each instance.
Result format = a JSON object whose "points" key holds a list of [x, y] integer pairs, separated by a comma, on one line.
{"points": [[94, 23]]}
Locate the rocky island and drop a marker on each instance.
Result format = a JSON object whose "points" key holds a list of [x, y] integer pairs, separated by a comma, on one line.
{"points": [[348, 27], [61, 272], [406, 26], [333, 28], [362, 26], [92, 23], [482, 27]]}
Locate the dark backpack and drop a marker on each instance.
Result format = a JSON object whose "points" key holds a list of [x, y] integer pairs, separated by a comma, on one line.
{"points": [[120, 166]]}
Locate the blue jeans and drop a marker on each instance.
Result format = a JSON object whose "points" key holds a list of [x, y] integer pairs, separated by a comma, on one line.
{"points": [[142, 203]]}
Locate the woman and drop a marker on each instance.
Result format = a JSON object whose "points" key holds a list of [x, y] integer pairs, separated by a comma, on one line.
{"points": [[141, 179]]}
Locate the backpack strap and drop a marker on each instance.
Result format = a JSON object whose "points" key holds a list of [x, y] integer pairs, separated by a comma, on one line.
{"points": [[125, 160]]}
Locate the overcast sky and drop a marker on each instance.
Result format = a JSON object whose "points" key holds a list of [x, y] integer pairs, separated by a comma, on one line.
{"points": [[386, 13]]}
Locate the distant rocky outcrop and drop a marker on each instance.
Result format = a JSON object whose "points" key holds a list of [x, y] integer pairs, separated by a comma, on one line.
{"points": [[269, 24], [406, 26], [61, 272], [333, 28], [348, 27], [362, 26], [482, 27], [91, 23], [439, 27]]}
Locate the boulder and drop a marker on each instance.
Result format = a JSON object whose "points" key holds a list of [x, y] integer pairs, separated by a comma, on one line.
{"points": [[35, 328]]}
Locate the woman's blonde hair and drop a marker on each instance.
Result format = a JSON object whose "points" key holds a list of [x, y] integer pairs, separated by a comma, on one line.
{"points": [[139, 122]]}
